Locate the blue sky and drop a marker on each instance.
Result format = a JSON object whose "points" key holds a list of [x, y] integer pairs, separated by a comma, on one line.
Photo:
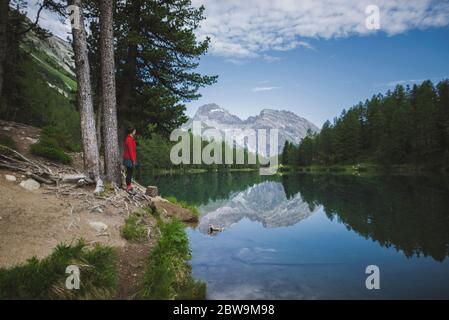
{"points": [[338, 73], [313, 57]]}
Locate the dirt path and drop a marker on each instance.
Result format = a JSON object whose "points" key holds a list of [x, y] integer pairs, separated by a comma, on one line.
{"points": [[33, 223]]}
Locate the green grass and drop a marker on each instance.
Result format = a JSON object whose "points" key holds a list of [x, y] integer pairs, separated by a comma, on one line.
{"points": [[184, 205], [45, 279], [134, 228], [51, 67], [168, 274], [7, 142]]}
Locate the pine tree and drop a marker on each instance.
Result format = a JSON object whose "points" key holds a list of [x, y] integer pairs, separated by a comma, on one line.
{"points": [[156, 54], [88, 131], [4, 15], [443, 116], [108, 93]]}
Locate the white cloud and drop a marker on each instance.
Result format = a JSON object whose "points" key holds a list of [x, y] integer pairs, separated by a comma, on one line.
{"points": [[245, 29], [48, 20], [270, 58], [408, 82], [259, 89]]}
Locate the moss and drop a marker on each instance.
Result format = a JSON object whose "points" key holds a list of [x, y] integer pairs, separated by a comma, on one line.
{"points": [[45, 279], [168, 274]]}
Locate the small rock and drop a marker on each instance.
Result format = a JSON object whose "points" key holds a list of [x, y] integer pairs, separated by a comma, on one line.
{"points": [[30, 184], [10, 177], [31, 140], [7, 128], [98, 226], [81, 182], [152, 191]]}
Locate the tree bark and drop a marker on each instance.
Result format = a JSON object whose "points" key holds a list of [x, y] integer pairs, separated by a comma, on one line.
{"points": [[99, 125], [108, 93], [88, 132], [4, 13]]}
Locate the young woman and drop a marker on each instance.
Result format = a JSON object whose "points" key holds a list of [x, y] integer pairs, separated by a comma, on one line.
{"points": [[129, 157]]}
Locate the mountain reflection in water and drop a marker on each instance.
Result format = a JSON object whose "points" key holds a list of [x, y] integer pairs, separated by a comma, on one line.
{"points": [[265, 202], [312, 236]]}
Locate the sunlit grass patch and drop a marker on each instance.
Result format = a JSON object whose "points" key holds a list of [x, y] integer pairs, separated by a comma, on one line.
{"points": [[134, 228], [45, 279], [168, 274]]}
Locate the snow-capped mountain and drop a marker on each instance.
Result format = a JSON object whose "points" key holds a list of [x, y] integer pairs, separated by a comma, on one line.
{"points": [[265, 202], [291, 127]]}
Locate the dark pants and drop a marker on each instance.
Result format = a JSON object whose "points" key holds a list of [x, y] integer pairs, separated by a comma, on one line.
{"points": [[129, 175]]}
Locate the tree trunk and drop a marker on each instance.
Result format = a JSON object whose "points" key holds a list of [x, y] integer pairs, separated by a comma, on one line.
{"points": [[108, 93], [99, 125], [4, 13], [88, 132]]}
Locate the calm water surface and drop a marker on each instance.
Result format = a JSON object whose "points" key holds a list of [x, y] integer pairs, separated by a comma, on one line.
{"points": [[312, 236]]}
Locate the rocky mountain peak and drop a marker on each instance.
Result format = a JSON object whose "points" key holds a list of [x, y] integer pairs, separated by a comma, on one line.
{"points": [[290, 126]]}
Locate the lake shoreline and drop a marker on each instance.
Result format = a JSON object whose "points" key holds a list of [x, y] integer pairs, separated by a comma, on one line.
{"points": [[363, 169]]}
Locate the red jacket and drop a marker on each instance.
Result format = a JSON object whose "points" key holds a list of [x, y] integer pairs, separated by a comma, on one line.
{"points": [[129, 153]]}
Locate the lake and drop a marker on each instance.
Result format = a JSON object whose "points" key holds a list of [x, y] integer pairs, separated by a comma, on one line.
{"points": [[312, 236]]}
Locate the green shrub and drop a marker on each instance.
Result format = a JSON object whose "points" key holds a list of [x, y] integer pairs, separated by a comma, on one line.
{"points": [[45, 279], [51, 145], [168, 274], [7, 142], [62, 138], [50, 152], [134, 228]]}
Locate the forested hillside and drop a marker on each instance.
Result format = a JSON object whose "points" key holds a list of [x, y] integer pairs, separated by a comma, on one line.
{"points": [[39, 87], [404, 126]]}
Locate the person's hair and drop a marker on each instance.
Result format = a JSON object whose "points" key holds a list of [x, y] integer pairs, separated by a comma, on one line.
{"points": [[130, 130]]}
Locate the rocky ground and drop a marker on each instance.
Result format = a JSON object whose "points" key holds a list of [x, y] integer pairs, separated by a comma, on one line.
{"points": [[35, 217]]}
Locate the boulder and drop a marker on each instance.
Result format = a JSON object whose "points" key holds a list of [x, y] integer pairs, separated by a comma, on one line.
{"points": [[10, 177], [98, 226], [152, 191], [171, 210], [30, 184]]}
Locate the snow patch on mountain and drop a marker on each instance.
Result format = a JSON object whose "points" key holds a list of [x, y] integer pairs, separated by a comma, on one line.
{"points": [[290, 126]]}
